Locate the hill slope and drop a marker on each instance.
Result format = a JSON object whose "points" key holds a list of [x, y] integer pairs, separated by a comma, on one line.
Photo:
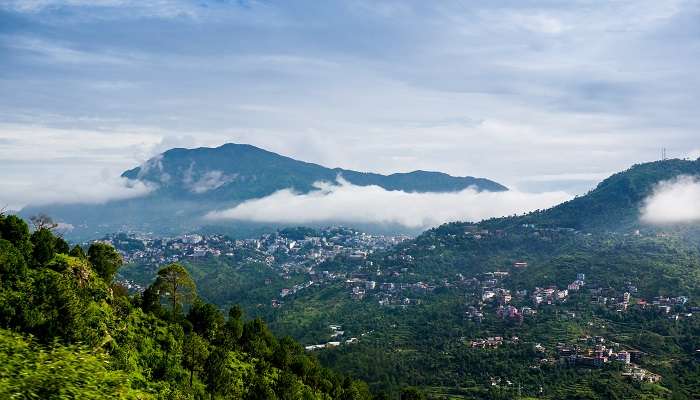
{"points": [[438, 313], [614, 205], [67, 331]]}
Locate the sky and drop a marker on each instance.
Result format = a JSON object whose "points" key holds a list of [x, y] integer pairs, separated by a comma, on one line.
{"points": [[542, 96]]}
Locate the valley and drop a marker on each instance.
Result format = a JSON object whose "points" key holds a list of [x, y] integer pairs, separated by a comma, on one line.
{"points": [[349, 200], [542, 305]]}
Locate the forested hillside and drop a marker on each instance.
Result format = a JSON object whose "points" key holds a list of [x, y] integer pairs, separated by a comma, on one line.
{"points": [[442, 297], [68, 331]]}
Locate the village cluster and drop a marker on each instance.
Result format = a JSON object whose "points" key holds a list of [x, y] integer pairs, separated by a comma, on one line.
{"points": [[489, 293], [588, 351], [300, 254]]}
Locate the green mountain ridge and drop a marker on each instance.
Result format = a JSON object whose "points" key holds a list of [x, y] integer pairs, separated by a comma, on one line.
{"points": [[240, 171], [615, 203]]}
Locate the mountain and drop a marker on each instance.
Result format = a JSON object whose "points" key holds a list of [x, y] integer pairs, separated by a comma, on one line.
{"points": [[614, 205], [188, 183], [241, 172]]}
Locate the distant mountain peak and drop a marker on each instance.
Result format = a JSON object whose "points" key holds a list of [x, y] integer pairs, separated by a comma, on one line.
{"points": [[189, 183], [228, 168]]}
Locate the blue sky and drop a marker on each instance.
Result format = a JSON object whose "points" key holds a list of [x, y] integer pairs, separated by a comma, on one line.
{"points": [[538, 95]]}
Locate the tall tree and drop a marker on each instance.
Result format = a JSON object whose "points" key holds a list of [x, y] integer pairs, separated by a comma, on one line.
{"points": [[195, 354], [233, 329], [105, 260], [174, 284], [206, 320], [44, 244]]}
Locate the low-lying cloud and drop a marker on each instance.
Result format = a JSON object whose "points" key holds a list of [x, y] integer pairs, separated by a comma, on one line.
{"points": [[94, 191], [346, 203], [675, 201]]}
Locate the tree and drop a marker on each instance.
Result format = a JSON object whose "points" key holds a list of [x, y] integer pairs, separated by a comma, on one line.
{"points": [[257, 338], [229, 375], [150, 301], [206, 320], [195, 353], [44, 244], [233, 329], [15, 230], [12, 264], [42, 221], [105, 260], [61, 246], [77, 251], [174, 283]]}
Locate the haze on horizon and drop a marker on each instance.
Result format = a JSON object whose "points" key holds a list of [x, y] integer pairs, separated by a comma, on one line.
{"points": [[539, 96]]}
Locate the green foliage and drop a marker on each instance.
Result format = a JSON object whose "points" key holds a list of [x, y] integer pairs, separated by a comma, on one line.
{"points": [[175, 286], [61, 246], [206, 320], [90, 342], [412, 393], [12, 264], [44, 245], [33, 371], [77, 251], [195, 354], [105, 260], [16, 231]]}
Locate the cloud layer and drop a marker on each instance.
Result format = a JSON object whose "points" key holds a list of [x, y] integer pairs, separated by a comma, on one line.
{"points": [[347, 203], [391, 86], [69, 191], [674, 202]]}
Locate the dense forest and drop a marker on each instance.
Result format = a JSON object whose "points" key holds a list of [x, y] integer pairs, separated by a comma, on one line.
{"points": [[68, 331]]}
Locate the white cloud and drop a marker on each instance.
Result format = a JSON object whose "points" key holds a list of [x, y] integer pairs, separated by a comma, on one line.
{"points": [[77, 166], [347, 203], [94, 190], [674, 202], [209, 180]]}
